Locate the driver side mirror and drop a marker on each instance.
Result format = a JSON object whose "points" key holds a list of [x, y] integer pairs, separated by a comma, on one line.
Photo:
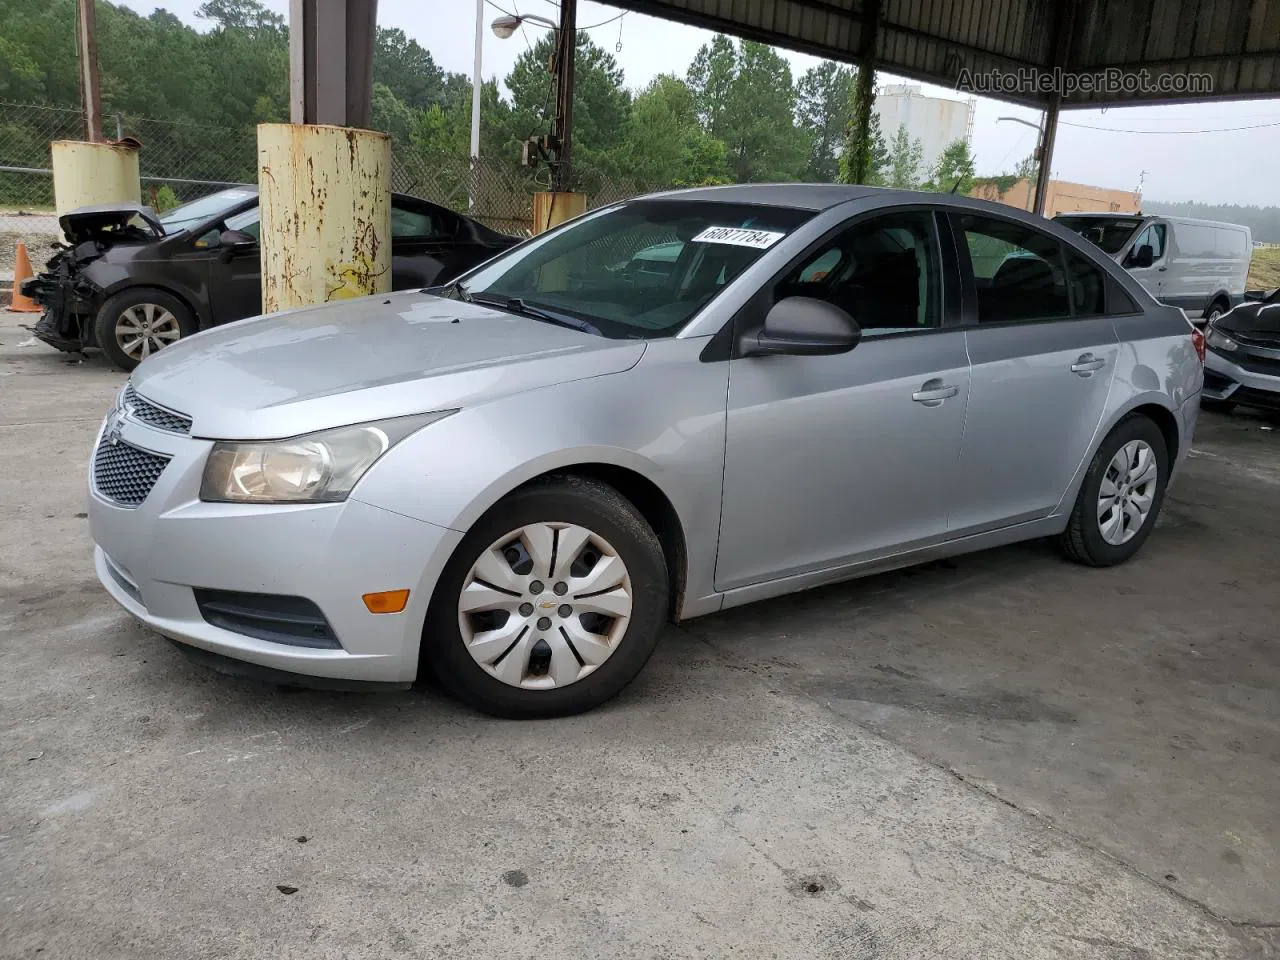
{"points": [[803, 327], [1143, 256], [235, 241]]}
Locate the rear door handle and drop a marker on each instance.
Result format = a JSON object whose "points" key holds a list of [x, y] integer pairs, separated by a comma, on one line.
{"points": [[933, 392], [1086, 364]]}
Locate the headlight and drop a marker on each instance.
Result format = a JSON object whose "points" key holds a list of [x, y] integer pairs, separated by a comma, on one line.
{"points": [[315, 468], [1220, 341]]}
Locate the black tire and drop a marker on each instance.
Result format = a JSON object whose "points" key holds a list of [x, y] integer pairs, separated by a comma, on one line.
{"points": [[1082, 541], [1216, 406], [568, 499], [1216, 309], [112, 314]]}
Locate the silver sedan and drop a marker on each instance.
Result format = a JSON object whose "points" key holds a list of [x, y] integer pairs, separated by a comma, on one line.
{"points": [[662, 409]]}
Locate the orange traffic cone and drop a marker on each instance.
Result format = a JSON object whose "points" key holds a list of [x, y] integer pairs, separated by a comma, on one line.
{"points": [[22, 271]]}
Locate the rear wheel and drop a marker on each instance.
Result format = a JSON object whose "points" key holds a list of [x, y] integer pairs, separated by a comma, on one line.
{"points": [[551, 604], [1121, 496], [136, 323], [1216, 309]]}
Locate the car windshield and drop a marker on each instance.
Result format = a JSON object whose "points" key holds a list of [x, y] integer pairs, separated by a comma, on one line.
{"points": [[197, 211], [639, 270], [1109, 233]]}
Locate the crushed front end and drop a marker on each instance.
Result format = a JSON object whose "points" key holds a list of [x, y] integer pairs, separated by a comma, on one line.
{"points": [[70, 299]]}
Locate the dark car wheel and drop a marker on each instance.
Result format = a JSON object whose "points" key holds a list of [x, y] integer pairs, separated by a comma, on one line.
{"points": [[551, 604], [136, 323], [1121, 495]]}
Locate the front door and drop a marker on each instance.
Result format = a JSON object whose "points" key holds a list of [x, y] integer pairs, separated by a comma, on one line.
{"points": [[1043, 354], [1153, 277], [831, 460], [235, 289]]}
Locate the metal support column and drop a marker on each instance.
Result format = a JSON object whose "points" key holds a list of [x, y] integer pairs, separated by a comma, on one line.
{"points": [[325, 179], [90, 92]]}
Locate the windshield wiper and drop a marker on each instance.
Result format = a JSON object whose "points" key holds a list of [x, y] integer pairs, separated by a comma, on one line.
{"points": [[516, 305]]}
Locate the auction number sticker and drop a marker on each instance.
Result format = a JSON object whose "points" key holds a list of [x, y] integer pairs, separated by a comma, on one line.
{"points": [[739, 237]]}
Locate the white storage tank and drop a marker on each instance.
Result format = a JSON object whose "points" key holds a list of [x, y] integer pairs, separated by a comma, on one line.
{"points": [[935, 121]]}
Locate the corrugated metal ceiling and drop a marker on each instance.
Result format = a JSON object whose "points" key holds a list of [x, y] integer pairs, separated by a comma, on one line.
{"points": [[1232, 45]]}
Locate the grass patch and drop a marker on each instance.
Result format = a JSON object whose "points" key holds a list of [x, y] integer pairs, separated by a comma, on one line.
{"points": [[1264, 270]]}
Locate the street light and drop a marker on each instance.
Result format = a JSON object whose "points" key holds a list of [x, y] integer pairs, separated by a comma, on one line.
{"points": [[503, 27], [1037, 153]]}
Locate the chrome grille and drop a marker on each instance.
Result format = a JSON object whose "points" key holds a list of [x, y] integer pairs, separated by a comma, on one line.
{"points": [[139, 408], [124, 474]]}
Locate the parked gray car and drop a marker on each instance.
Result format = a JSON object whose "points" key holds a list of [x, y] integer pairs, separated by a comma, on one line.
{"points": [[515, 480]]}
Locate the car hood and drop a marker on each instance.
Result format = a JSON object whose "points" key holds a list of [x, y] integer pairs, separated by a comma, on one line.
{"points": [[1253, 321], [366, 359], [110, 220]]}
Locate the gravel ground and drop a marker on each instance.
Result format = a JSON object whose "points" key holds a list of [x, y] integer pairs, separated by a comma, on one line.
{"points": [[36, 231]]}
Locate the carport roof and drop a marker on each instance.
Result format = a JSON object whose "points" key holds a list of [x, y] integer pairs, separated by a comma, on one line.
{"points": [[1233, 44]]}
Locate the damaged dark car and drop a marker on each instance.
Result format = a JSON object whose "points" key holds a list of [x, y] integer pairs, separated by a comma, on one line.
{"points": [[130, 281], [1242, 360]]}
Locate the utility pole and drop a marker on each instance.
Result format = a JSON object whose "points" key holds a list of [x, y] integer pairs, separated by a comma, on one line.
{"points": [[477, 81], [562, 132], [90, 92]]}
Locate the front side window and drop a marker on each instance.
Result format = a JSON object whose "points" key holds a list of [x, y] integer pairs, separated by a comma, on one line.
{"points": [[1152, 237], [1017, 271], [885, 273], [640, 270]]}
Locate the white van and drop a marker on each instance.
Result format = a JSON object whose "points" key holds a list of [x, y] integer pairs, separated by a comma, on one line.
{"points": [[1198, 265]]}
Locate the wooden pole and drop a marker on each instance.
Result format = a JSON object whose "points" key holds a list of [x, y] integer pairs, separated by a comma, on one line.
{"points": [[90, 93]]}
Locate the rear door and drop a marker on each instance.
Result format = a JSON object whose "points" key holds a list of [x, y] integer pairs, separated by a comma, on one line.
{"points": [[832, 460], [1043, 352], [428, 244]]}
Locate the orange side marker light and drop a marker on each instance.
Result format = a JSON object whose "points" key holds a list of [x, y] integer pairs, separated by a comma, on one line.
{"points": [[389, 601]]}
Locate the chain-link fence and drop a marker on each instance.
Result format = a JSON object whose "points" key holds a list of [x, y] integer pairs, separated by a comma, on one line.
{"points": [[181, 161]]}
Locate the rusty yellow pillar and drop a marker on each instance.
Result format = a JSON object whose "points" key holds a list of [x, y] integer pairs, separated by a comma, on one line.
{"points": [[86, 173], [326, 213], [552, 209]]}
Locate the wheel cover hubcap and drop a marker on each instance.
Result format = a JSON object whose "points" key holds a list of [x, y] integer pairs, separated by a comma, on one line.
{"points": [[144, 328], [1127, 492], [545, 605]]}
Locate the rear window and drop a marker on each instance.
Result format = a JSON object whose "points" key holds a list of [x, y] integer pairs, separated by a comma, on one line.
{"points": [[1108, 233]]}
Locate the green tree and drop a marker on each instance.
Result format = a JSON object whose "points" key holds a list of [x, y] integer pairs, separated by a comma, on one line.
{"points": [[905, 154], [824, 97], [1028, 168], [403, 66], [953, 171], [665, 145], [745, 98]]}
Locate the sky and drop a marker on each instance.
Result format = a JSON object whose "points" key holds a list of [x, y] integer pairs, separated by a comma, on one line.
{"points": [[1171, 164]]}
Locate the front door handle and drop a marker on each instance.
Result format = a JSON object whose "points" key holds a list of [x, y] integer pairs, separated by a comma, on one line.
{"points": [[1162, 269], [1086, 364], [933, 392]]}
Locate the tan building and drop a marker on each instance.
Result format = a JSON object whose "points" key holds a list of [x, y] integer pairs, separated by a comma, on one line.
{"points": [[1063, 197]]}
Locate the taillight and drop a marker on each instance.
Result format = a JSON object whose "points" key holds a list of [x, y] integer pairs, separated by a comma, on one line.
{"points": [[1197, 341]]}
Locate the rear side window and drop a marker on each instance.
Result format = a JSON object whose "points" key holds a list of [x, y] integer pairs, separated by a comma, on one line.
{"points": [[1088, 286], [1231, 244], [1018, 272], [1195, 241]]}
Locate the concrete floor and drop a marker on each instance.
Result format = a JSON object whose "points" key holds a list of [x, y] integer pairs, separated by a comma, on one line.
{"points": [[1004, 756]]}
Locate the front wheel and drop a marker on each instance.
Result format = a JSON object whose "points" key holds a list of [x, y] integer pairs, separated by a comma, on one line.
{"points": [[551, 604], [136, 323], [1121, 495]]}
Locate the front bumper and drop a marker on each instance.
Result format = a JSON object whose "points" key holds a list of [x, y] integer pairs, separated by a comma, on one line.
{"points": [[152, 557], [1227, 380]]}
